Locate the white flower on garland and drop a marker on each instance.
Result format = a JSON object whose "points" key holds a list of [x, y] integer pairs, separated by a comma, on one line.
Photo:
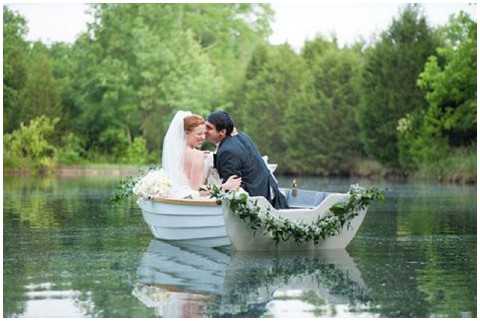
{"points": [[236, 194], [154, 184], [356, 189]]}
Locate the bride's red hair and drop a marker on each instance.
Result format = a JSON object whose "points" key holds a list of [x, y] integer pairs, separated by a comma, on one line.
{"points": [[192, 121]]}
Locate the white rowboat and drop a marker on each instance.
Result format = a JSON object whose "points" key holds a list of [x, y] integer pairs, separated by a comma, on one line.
{"points": [[305, 207], [204, 222], [189, 221]]}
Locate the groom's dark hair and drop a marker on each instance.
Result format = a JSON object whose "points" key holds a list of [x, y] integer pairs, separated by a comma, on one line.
{"points": [[221, 120]]}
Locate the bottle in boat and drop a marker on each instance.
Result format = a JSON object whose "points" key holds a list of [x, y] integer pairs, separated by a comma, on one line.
{"points": [[294, 188]]}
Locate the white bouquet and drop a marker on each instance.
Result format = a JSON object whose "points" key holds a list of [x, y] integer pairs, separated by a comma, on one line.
{"points": [[154, 184]]}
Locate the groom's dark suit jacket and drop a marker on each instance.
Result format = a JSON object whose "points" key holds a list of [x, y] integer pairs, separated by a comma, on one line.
{"points": [[238, 155]]}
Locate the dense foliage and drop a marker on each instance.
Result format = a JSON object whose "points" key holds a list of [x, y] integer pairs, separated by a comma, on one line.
{"points": [[392, 67], [397, 102], [449, 81], [31, 146]]}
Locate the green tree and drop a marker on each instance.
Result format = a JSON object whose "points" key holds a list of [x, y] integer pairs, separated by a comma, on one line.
{"points": [[317, 47], [125, 77], [14, 67], [276, 88], [449, 81], [332, 126], [229, 33], [392, 67], [138, 64], [451, 86], [62, 59], [41, 93]]}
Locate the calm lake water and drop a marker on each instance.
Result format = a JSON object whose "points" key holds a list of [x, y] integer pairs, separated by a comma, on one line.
{"points": [[69, 252]]}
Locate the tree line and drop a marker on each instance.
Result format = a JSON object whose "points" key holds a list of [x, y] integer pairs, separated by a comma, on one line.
{"points": [[404, 102]]}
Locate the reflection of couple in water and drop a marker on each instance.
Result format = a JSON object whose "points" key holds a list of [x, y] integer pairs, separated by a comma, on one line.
{"points": [[184, 280]]}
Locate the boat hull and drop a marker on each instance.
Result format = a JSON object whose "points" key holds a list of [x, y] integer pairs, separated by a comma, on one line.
{"points": [[206, 223], [243, 238], [188, 222]]}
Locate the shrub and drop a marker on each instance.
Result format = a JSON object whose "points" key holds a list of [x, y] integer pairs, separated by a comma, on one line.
{"points": [[30, 147], [72, 150], [136, 152], [114, 142], [460, 166]]}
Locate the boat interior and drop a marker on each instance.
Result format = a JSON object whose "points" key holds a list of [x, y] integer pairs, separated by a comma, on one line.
{"points": [[303, 199]]}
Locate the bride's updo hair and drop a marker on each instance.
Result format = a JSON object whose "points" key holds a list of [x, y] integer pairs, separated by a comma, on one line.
{"points": [[192, 121]]}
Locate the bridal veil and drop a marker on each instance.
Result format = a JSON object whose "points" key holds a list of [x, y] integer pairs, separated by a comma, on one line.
{"points": [[173, 156]]}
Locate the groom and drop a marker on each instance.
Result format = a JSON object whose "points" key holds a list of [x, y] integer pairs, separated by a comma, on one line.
{"points": [[238, 155]]}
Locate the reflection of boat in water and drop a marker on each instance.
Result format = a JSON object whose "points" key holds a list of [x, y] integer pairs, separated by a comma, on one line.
{"points": [[178, 280], [184, 280], [198, 269]]}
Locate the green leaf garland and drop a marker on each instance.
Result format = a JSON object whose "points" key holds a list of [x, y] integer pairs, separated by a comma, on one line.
{"points": [[282, 229]]}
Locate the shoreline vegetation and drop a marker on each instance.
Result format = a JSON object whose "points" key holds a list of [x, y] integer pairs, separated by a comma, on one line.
{"points": [[402, 105], [458, 169]]}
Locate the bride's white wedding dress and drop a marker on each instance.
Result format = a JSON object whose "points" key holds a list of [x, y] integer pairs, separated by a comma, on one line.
{"points": [[186, 168]]}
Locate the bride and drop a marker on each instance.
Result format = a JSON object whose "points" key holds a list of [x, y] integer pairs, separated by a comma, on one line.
{"points": [[186, 166]]}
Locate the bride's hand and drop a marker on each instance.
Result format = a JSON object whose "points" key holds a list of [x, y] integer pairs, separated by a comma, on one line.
{"points": [[232, 183]]}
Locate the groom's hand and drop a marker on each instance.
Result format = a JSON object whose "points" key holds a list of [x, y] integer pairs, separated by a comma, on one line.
{"points": [[232, 183]]}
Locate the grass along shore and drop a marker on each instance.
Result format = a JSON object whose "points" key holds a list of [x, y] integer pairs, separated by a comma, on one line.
{"points": [[458, 168]]}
